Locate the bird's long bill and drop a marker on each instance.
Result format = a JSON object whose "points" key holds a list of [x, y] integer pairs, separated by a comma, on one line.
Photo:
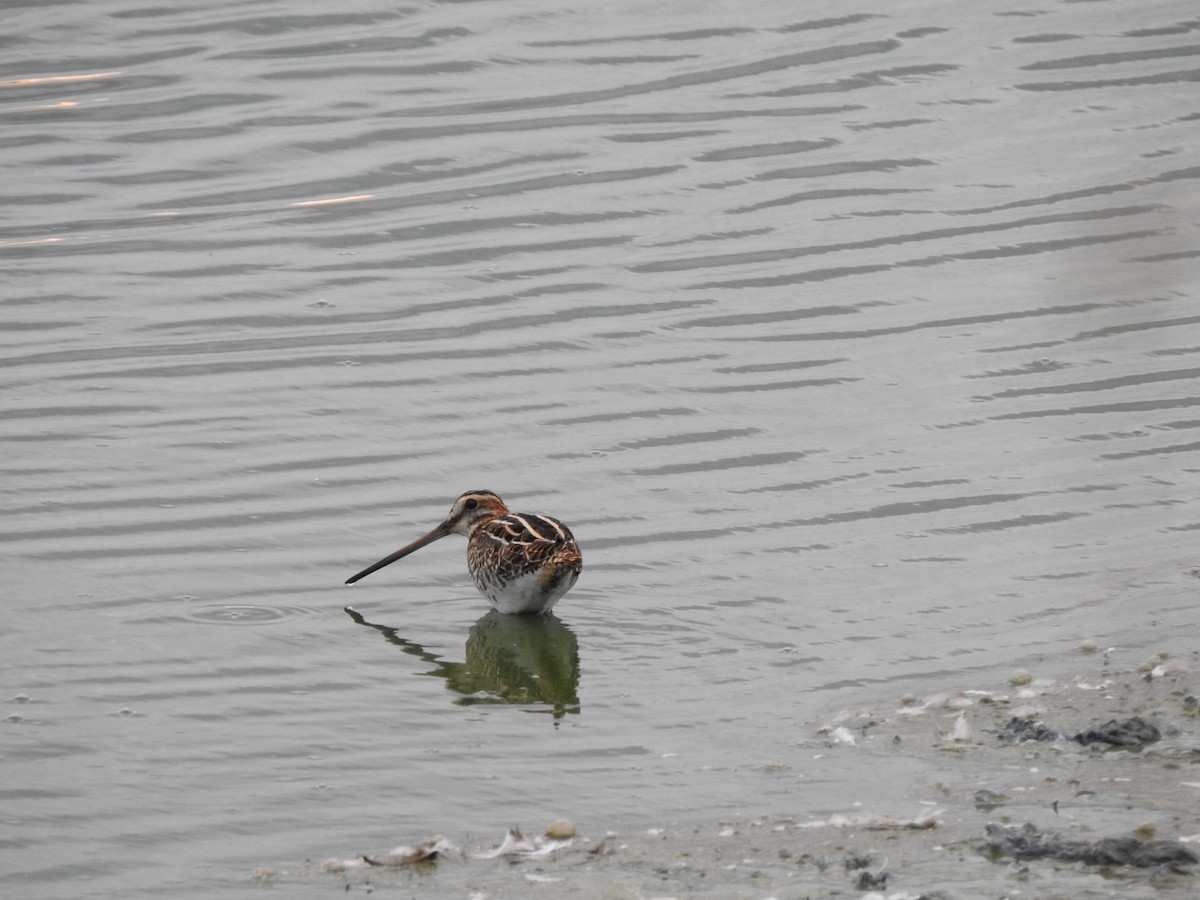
{"points": [[440, 532]]}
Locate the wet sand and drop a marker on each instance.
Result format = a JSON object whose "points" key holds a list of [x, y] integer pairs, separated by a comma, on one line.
{"points": [[945, 750]]}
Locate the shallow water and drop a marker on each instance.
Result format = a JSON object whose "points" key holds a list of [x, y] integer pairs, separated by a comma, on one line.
{"points": [[856, 348]]}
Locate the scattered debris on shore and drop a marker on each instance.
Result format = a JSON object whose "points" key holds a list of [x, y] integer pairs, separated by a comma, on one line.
{"points": [[1083, 786]]}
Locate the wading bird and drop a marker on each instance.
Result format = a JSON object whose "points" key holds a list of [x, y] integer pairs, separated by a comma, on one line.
{"points": [[522, 563]]}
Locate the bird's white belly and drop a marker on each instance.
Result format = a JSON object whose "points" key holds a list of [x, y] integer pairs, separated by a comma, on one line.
{"points": [[525, 594]]}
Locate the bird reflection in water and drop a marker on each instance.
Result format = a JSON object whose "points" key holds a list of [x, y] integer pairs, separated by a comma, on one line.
{"points": [[520, 660]]}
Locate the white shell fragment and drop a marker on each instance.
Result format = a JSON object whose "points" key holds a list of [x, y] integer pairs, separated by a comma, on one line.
{"points": [[516, 844]]}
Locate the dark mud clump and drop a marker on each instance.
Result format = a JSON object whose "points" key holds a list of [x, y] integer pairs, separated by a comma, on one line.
{"points": [[1130, 733], [1026, 842], [1019, 730]]}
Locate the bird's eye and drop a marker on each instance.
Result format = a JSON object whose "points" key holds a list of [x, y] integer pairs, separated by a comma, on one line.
{"points": [[471, 504]]}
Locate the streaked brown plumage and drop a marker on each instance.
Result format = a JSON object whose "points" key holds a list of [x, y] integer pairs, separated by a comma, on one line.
{"points": [[521, 563]]}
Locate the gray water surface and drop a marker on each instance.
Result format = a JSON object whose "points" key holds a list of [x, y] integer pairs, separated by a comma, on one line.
{"points": [[856, 344]]}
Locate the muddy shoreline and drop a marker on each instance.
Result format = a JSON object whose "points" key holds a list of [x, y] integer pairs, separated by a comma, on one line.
{"points": [[1002, 809]]}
